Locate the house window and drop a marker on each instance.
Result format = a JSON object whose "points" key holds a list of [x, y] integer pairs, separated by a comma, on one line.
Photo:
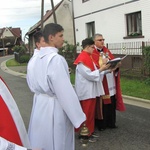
{"points": [[134, 25], [90, 29], [84, 1]]}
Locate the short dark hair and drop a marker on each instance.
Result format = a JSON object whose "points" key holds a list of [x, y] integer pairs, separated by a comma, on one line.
{"points": [[87, 42], [51, 29], [37, 36]]}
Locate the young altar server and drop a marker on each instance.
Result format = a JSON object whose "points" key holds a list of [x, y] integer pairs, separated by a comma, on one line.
{"points": [[88, 84]]}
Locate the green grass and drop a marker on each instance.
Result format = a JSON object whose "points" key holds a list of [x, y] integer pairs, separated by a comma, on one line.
{"points": [[135, 87], [12, 62], [131, 87]]}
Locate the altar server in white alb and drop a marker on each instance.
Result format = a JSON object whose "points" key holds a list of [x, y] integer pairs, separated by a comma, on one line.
{"points": [[39, 42], [12, 127], [88, 83], [53, 119]]}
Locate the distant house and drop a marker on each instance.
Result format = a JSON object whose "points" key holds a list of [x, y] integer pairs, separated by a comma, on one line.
{"points": [[9, 37], [118, 20], [63, 11]]}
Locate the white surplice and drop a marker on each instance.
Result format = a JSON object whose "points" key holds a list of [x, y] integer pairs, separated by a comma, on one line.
{"points": [[53, 118], [111, 83], [6, 145], [88, 84]]}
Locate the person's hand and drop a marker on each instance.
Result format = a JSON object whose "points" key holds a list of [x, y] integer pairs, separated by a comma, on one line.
{"points": [[104, 67], [105, 60], [117, 66]]}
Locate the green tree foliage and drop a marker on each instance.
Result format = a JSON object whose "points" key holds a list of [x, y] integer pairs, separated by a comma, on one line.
{"points": [[20, 54], [69, 53], [146, 59], [20, 49]]}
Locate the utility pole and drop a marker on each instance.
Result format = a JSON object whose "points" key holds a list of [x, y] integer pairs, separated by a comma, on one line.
{"points": [[53, 9], [42, 13]]}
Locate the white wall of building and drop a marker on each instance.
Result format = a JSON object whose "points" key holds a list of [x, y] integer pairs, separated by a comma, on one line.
{"points": [[110, 19]]}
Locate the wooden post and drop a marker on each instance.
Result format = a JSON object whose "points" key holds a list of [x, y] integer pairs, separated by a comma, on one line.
{"points": [[53, 9], [42, 13]]}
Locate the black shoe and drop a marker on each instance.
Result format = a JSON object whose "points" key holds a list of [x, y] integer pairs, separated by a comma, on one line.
{"points": [[95, 135], [88, 139], [92, 139], [101, 129], [113, 127]]}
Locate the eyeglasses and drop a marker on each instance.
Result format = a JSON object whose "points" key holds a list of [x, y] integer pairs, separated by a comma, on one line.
{"points": [[101, 40]]}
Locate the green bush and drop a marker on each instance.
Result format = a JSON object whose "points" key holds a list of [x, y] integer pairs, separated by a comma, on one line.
{"points": [[69, 53], [146, 58], [24, 59], [20, 49]]}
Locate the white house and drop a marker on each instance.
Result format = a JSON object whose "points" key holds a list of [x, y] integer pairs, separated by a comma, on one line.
{"points": [[119, 21]]}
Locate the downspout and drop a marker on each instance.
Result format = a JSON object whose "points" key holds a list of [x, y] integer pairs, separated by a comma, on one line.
{"points": [[73, 23]]}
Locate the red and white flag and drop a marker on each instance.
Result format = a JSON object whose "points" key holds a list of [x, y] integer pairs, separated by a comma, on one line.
{"points": [[12, 127]]}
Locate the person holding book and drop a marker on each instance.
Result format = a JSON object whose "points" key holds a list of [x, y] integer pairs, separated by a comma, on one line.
{"points": [[107, 104], [88, 84]]}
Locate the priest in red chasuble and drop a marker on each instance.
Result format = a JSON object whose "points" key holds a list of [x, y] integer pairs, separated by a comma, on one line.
{"points": [[111, 101]]}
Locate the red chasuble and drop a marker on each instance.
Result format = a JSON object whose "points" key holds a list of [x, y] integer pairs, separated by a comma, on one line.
{"points": [[119, 104], [10, 119]]}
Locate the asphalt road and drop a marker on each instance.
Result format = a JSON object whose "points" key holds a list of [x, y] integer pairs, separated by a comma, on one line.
{"points": [[133, 132]]}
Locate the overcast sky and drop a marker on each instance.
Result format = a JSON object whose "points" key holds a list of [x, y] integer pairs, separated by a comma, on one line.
{"points": [[22, 13]]}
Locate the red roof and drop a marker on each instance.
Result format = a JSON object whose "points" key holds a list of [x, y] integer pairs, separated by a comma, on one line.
{"points": [[15, 31]]}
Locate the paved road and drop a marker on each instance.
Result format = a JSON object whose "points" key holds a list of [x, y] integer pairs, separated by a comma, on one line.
{"points": [[134, 124]]}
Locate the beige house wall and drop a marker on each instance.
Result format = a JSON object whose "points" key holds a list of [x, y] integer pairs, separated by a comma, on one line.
{"points": [[64, 18]]}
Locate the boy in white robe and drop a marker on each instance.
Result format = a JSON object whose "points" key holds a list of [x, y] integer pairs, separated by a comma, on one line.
{"points": [[53, 119]]}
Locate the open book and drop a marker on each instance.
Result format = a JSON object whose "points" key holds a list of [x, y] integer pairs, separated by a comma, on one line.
{"points": [[115, 61]]}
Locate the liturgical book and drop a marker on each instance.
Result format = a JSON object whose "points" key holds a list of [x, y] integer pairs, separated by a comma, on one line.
{"points": [[115, 61]]}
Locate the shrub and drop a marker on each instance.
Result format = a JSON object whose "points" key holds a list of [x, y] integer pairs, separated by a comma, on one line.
{"points": [[20, 49], [146, 58], [69, 52], [24, 59]]}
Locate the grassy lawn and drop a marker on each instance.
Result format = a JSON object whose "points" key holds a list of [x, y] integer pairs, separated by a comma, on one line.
{"points": [[131, 87], [136, 88], [13, 62]]}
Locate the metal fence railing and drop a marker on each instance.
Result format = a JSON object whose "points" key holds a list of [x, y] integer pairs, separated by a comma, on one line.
{"points": [[129, 48], [134, 60]]}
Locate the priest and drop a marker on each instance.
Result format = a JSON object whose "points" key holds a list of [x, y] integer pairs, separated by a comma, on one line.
{"points": [[107, 104]]}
